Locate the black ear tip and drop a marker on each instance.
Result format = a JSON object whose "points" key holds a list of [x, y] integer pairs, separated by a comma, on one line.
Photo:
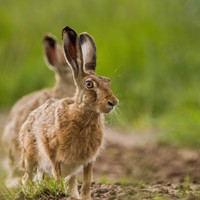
{"points": [[82, 39], [67, 28], [69, 31], [50, 40]]}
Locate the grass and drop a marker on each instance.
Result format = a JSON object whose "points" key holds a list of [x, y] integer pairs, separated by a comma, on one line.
{"points": [[6, 194], [181, 128], [50, 189], [150, 49], [44, 189]]}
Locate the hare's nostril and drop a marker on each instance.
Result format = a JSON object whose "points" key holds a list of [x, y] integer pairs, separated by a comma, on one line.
{"points": [[110, 104], [113, 102]]}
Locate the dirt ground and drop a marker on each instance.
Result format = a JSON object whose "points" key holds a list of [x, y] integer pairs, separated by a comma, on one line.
{"points": [[147, 169], [148, 162], [133, 166]]}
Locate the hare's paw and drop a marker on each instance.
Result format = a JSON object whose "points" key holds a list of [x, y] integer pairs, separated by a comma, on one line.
{"points": [[76, 196], [86, 198]]}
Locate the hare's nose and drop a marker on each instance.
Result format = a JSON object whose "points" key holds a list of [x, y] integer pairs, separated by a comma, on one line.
{"points": [[113, 102]]}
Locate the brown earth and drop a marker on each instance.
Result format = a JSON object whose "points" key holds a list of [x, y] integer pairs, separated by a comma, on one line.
{"points": [[134, 166], [150, 163]]}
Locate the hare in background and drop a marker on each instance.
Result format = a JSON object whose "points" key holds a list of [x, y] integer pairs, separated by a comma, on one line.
{"points": [[64, 87], [62, 136]]}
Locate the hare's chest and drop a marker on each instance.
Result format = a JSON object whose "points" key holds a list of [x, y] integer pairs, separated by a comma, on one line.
{"points": [[81, 137], [82, 145], [92, 142]]}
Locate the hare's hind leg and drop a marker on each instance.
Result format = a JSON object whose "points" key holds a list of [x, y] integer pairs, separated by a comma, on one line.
{"points": [[13, 177], [73, 187], [87, 176]]}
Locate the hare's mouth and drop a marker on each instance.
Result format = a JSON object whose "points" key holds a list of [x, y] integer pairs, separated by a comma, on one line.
{"points": [[108, 108]]}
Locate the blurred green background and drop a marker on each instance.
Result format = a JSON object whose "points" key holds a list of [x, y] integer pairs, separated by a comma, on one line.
{"points": [[149, 48]]}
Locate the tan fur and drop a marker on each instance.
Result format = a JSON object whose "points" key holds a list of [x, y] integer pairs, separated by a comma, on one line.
{"points": [[64, 87], [63, 135]]}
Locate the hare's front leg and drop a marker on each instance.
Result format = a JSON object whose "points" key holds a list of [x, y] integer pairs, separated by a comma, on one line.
{"points": [[56, 170], [39, 175], [73, 187], [87, 176]]}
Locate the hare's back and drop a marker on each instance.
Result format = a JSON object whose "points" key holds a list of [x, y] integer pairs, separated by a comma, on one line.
{"points": [[30, 102], [21, 110]]}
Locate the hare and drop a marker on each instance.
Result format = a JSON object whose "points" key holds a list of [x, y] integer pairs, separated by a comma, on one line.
{"points": [[62, 136], [64, 87]]}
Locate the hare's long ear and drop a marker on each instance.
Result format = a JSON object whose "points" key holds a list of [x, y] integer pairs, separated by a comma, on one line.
{"points": [[72, 51], [53, 54], [89, 51]]}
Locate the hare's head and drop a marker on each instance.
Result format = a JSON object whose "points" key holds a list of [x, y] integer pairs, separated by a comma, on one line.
{"points": [[55, 59], [93, 91]]}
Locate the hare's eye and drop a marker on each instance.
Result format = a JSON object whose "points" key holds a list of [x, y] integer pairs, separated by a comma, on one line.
{"points": [[89, 84]]}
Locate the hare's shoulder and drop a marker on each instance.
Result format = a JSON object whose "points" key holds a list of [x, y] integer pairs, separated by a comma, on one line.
{"points": [[50, 108], [47, 117]]}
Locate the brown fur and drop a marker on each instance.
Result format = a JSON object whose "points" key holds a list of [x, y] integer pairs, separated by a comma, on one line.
{"points": [[64, 87], [63, 135]]}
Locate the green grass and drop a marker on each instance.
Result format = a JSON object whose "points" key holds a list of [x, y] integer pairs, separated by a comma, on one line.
{"points": [[6, 194], [150, 49], [44, 189], [181, 128], [50, 189]]}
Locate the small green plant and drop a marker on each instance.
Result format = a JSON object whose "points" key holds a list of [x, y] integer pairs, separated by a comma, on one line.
{"points": [[183, 189], [186, 183], [105, 180], [48, 187], [159, 198], [123, 180]]}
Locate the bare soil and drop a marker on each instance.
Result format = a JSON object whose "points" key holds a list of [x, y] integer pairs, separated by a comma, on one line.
{"points": [[134, 166], [150, 163], [143, 169]]}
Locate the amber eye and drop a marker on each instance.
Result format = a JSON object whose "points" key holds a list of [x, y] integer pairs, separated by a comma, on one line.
{"points": [[89, 84]]}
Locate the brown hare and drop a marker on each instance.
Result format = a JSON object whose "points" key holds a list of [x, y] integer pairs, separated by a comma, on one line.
{"points": [[64, 87], [62, 136]]}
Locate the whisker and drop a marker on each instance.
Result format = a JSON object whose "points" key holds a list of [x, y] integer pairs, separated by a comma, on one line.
{"points": [[120, 117], [116, 115], [109, 120]]}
